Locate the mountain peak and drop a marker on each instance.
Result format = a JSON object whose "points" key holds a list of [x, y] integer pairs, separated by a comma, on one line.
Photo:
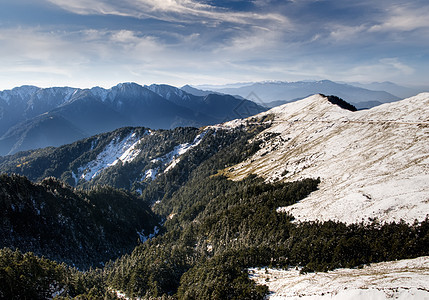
{"points": [[168, 91], [340, 102], [372, 163], [127, 85], [21, 92], [314, 107]]}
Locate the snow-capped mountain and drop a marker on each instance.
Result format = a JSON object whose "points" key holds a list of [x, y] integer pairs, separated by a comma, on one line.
{"points": [[373, 164], [210, 104], [266, 92], [26, 113], [26, 102]]}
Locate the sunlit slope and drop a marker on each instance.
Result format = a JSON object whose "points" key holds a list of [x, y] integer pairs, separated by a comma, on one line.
{"points": [[373, 164]]}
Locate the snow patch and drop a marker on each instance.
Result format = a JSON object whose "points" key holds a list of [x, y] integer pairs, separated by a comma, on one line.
{"points": [[69, 93], [144, 238], [172, 158], [151, 174], [75, 177], [124, 151], [122, 295], [35, 206], [403, 279]]}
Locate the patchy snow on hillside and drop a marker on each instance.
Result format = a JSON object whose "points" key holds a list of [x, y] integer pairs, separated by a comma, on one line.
{"points": [[151, 174], [228, 125], [118, 150], [373, 164], [171, 159], [144, 238], [404, 279]]}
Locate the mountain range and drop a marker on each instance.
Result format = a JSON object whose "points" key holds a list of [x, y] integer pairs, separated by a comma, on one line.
{"points": [[392, 88], [359, 155], [32, 117], [274, 93]]}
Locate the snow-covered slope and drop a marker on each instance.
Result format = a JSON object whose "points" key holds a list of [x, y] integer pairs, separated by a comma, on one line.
{"points": [[119, 150], [172, 159], [405, 279], [373, 164], [168, 161], [126, 148]]}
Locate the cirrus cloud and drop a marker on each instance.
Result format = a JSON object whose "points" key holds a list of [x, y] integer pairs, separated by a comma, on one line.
{"points": [[404, 18], [167, 10]]}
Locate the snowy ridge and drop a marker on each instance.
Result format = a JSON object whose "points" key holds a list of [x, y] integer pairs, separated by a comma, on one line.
{"points": [[373, 164], [100, 93], [70, 92], [28, 94], [20, 92], [168, 92], [404, 279], [116, 151], [171, 159], [230, 125]]}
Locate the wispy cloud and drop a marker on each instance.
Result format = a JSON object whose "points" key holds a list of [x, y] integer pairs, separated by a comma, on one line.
{"points": [[383, 70], [168, 10], [60, 53], [397, 65], [347, 33], [193, 41], [404, 18]]}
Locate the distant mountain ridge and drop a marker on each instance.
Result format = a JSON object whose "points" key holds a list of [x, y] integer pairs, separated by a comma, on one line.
{"points": [[281, 92], [32, 117], [390, 87]]}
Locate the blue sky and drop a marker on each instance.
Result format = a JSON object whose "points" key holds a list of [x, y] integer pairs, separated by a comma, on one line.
{"points": [[84, 43]]}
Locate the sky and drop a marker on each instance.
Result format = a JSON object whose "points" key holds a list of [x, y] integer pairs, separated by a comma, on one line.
{"points": [[86, 43]]}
